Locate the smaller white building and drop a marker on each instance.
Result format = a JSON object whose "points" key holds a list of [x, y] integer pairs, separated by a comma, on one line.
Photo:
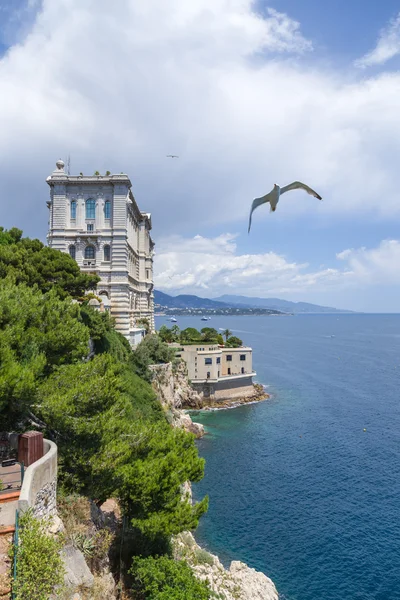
{"points": [[98, 222], [217, 371]]}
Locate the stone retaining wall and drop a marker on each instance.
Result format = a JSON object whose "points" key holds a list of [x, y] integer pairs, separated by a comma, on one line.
{"points": [[39, 487], [225, 390]]}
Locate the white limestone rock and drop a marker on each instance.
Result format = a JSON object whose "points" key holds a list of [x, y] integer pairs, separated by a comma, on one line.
{"points": [[77, 573], [185, 422], [239, 582], [55, 525]]}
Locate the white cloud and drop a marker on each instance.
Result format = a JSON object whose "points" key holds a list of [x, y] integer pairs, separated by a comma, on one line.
{"points": [[210, 80], [376, 265], [210, 267], [388, 46]]}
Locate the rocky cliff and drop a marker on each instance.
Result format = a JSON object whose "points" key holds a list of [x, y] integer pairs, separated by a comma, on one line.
{"points": [[174, 392], [239, 582]]}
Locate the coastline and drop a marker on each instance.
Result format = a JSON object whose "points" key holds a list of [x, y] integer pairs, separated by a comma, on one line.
{"points": [[239, 581]]}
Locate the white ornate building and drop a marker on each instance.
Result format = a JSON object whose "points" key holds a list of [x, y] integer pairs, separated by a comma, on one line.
{"points": [[97, 221]]}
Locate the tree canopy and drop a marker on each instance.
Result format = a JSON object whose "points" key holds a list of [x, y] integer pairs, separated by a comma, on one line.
{"points": [[233, 342], [37, 333], [190, 335], [31, 262]]}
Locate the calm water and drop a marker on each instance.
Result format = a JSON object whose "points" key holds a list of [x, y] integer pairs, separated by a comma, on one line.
{"points": [[297, 488]]}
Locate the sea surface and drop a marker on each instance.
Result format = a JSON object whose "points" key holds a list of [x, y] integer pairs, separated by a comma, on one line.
{"points": [[306, 486]]}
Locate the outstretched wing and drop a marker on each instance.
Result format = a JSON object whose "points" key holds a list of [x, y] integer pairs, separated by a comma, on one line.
{"points": [[298, 185], [256, 203]]}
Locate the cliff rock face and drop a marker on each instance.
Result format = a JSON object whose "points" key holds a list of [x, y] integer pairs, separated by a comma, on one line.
{"points": [[174, 392], [239, 582]]}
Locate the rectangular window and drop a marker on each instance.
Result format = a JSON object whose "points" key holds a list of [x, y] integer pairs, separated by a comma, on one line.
{"points": [[90, 227], [208, 374], [90, 208], [218, 360], [242, 369], [147, 274], [73, 209], [229, 370], [208, 361], [229, 357], [107, 209], [242, 357], [218, 373]]}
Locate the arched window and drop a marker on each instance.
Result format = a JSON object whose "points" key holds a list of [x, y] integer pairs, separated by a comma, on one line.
{"points": [[107, 253], [107, 209], [90, 208], [72, 252], [73, 209], [89, 252]]}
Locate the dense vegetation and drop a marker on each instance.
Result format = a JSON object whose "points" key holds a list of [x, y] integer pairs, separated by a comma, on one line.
{"points": [[93, 399], [190, 335]]}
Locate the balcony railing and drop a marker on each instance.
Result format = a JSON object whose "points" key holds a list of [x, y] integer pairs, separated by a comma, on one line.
{"points": [[89, 262]]}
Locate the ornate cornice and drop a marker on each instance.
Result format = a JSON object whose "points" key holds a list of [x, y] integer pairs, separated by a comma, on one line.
{"points": [[89, 180]]}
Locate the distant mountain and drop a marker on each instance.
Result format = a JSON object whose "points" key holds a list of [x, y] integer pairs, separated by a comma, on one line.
{"points": [[277, 304], [186, 301], [194, 306]]}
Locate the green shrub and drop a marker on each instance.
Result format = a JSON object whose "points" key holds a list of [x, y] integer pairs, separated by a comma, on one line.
{"points": [[151, 351], [163, 578], [39, 564], [233, 342], [203, 557]]}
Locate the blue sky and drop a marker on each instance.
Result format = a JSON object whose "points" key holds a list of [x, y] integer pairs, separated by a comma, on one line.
{"points": [[248, 95], [332, 24]]}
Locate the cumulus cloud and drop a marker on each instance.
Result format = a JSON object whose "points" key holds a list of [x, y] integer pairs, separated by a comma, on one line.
{"points": [[375, 265], [388, 46], [226, 88], [212, 266]]}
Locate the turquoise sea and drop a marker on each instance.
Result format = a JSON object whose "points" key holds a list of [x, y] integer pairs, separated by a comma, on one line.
{"points": [[297, 488]]}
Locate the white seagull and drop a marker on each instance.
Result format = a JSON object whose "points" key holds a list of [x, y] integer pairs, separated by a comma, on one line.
{"points": [[274, 195]]}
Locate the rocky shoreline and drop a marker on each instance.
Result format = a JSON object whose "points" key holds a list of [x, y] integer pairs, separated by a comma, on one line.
{"points": [[239, 582]]}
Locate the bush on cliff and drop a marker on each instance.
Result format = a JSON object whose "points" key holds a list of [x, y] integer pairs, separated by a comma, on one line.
{"points": [[151, 351], [163, 578]]}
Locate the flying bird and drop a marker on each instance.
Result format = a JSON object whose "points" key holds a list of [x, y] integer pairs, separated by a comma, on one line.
{"points": [[172, 156], [274, 195]]}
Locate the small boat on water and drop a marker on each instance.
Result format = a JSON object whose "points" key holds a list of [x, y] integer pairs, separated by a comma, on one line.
{"points": [[204, 318], [173, 320]]}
